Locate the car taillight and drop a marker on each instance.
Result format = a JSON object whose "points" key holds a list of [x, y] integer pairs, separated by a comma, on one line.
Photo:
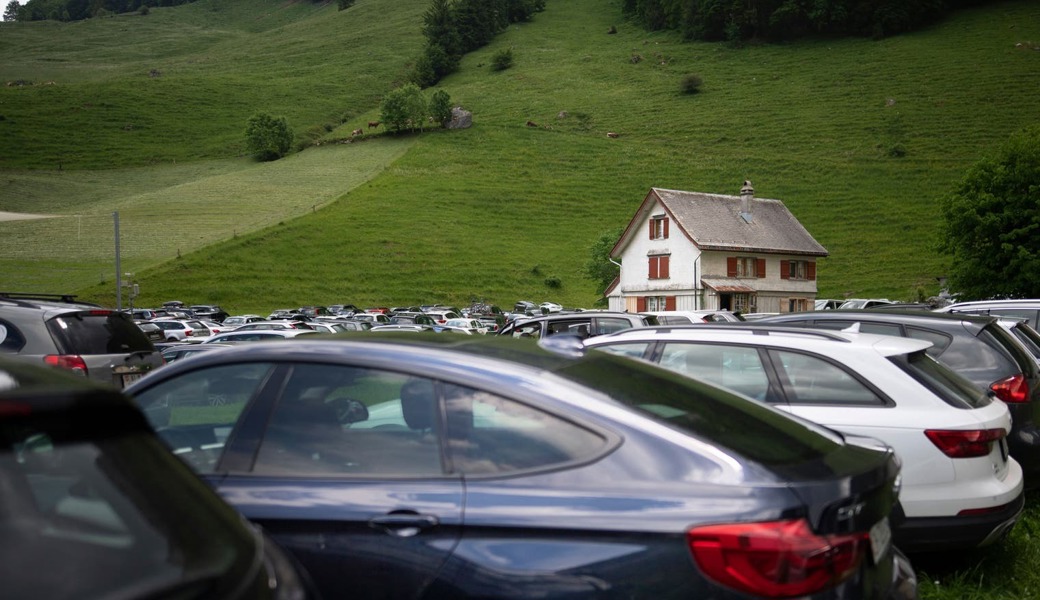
{"points": [[971, 443], [72, 362], [1013, 389], [776, 558], [189, 332]]}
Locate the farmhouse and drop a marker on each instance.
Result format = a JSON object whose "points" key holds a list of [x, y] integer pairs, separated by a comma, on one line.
{"points": [[696, 251]]}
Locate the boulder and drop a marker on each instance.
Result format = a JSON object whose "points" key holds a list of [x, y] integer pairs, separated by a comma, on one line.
{"points": [[460, 119]]}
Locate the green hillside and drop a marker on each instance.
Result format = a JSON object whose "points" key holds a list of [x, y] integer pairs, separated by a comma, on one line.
{"points": [[860, 138]]}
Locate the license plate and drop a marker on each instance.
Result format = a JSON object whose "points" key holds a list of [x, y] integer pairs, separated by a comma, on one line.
{"points": [[880, 539], [129, 378]]}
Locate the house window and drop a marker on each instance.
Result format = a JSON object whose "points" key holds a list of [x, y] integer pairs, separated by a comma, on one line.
{"points": [[655, 303], [659, 227], [743, 303], [658, 267], [799, 305], [797, 269], [745, 266]]}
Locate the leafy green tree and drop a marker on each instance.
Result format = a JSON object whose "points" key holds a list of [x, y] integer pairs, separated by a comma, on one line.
{"points": [[599, 267], [11, 12], [991, 224], [440, 107], [267, 137], [404, 108]]}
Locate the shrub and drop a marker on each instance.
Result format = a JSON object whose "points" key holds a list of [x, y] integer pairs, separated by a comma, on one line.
{"points": [[553, 282], [144, 9], [690, 84], [345, 4], [502, 60], [267, 137]]}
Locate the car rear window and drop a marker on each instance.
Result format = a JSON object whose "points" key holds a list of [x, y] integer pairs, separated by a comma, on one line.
{"points": [[97, 332], [955, 390], [1029, 338]]}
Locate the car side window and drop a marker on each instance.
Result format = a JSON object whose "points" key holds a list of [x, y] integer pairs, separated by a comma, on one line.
{"points": [[195, 413], [813, 380], [605, 325], [336, 420], [631, 350], [11, 340], [940, 341], [734, 367], [489, 434]]}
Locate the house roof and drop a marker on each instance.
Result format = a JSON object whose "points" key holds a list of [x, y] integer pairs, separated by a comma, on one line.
{"points": [[714, 222]]}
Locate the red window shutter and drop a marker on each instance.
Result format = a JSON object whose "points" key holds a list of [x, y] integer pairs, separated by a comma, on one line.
{"points": [[810, 271], [652, 221], [662, 271], [731, 266], [641, 304], [669, 303], [652, 271], [785, 269], [666, 229], [760, 268]]}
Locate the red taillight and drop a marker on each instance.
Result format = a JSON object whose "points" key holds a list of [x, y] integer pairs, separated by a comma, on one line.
{"points": [[971, 443], [189, 332], [72, 362], [776, 558], [1012, 389]]}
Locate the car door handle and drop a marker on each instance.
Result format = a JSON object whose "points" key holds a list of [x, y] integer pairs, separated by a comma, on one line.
{"points": [[403, 524]]}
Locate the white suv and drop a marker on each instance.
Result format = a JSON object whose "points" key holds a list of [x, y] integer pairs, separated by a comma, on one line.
{"points": [[960, 488]]}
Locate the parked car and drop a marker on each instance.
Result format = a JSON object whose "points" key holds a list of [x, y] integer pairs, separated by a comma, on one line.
{"points": [[550, 307], [315, 311], [685, 317], [239, 320], [258, 335], [526, 307], [854, 303], [176, 352], [473, 326], [411, 318], [183, 330], [373, 318], [827, 304], [94, 506], [1028, 309], [272, 325], [977, 347], [151, 331], [403, 327], [209, 312], [960, 488], [344, 310], [98, 343], [583, 324], [441, 316], [445, 466]]}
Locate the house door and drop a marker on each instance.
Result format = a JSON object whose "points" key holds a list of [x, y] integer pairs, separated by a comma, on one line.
{"points": [[725, 301]]}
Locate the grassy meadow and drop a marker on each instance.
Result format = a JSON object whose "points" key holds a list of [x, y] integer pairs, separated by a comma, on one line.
{"points": [[860, 138]]}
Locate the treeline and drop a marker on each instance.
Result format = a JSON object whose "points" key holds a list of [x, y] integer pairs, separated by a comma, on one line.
{"points": [[454, 27], [777, 20], [77, 10]]}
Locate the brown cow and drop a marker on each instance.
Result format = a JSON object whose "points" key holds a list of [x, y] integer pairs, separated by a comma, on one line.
{"points": [[373, 124], [357, 132]]}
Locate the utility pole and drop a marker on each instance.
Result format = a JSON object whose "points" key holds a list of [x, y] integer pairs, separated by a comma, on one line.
{"points": [[119, 266]]}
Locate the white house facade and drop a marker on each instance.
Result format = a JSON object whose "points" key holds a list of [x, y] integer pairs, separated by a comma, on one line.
{"points": [[695, 251]]}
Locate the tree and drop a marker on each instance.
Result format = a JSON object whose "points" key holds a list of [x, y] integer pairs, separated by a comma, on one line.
{"points": [[599, 267], [440, 107], [267, 137], [404, 107], [11, 12], [991, 224]]}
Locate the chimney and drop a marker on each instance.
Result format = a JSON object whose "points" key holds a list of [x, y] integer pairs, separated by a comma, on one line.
{"points": [[747, 194]]}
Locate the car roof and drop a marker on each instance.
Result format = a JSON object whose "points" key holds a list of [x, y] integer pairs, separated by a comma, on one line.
{"points": [[827, 340], [889, 315]]}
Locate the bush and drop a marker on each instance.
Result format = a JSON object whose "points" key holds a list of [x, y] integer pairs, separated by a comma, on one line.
{"points": [[502, 60], [344, 4], [690, 84], [553, 282], [267, 137]]}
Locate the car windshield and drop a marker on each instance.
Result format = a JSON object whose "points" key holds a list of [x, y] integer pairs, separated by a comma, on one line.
{"points": [[97, 332], [97, 504]]}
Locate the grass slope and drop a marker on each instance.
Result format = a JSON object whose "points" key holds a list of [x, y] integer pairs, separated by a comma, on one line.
{"points": [[860, 139]]}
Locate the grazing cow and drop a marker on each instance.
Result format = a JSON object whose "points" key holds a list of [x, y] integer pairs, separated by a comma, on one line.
{"points": [[373, 124], [611, 134], [532, 124], [357, 132]]}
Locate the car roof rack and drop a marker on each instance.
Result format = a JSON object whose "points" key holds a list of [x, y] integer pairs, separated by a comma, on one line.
{"points": [[24, 299], [755, 328]]}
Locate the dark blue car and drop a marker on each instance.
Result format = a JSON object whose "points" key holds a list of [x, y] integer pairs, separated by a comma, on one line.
{"points": [[418, 466]]}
